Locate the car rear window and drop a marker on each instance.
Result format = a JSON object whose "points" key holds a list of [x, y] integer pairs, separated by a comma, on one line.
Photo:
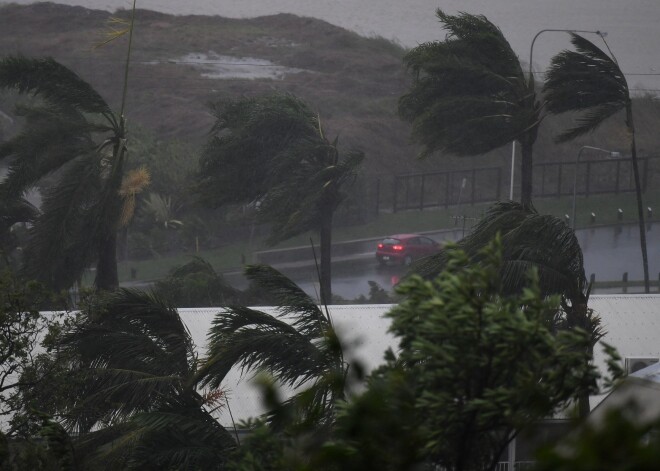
{"points": [[391, 241]]}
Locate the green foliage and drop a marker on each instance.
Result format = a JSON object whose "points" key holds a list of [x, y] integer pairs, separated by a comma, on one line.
{"points": [[475, 367], [619, 443], [298, 347], [196, 284], [271, 151], [72, 131], [484, 365], [21, 329], [588, 81], [138, 395], [529, 240], [469, 93]]}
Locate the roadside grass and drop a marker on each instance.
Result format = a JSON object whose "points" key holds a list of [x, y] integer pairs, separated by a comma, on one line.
{"points": [[233, 256]]}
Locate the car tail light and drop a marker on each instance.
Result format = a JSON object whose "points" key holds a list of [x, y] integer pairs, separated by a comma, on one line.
{"points": [[397, 248], [380, 246]]}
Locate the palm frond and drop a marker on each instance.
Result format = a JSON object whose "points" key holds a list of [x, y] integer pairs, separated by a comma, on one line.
{"points": [[181, 436], [587, 81], [53, 82], [469, 93], [62, 234], [529, 240], [47, 142], [254, 341], [137, 353], [116, 28]]}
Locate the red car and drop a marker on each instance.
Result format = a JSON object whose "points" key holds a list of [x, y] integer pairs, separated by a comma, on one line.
{"points": [[404, 248]]}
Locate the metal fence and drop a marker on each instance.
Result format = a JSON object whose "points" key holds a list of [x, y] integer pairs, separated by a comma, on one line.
{"points": [[555, 179], [444, 189], [482, 185]]}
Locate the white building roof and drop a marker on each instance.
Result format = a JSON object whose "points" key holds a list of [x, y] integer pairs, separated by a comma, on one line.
{"points": [[631, 323]]}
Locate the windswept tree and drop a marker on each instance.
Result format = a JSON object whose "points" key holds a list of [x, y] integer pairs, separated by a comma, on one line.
{"points": [[531, 241], [469, 94], [590, 82], [484, 365], [71, 135], [135, 405], [271, 152]]}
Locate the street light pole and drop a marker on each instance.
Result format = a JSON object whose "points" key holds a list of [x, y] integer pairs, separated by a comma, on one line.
{"points": [[577, 162]]}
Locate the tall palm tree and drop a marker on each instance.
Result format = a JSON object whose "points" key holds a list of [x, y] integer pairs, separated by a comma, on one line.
{"points": [[470, 95], [591, 82], [271, 152], [298, 347], [137, 402], [72, 136]]}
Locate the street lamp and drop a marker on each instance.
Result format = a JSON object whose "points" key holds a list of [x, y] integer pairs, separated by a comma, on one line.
{"points": [[577, 162]]}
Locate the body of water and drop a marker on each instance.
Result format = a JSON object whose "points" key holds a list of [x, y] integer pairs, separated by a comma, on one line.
{"points": [[632, 26]]}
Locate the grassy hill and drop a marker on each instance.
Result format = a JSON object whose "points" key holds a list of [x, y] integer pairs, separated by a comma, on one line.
{"points": [[354, 82]]}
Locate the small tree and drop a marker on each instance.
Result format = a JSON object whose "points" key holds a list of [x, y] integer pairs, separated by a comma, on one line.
{"points": [[484, 365], [21, 329]]}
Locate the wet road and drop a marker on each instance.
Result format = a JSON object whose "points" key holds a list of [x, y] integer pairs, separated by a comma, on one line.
{"points": [[608, 253]]}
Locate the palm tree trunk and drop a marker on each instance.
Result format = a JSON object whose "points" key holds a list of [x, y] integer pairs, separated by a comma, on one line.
{"points": [[526, 172], [638, 194], [577, 317], [107, 278], [326, 256]]}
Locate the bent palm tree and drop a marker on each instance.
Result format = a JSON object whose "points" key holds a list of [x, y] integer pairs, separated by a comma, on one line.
{"points": [[271, 152], [529, 239], [469, 94], [72, 135], [532, 241], [590, 81], [138, 363], [298, 347]]}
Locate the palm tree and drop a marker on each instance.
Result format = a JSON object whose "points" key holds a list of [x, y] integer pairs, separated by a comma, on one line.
{"points": [[298, 347], [469, 94], [529, 240], [591, 82], [73, 136], [532, 241], [271, 152], [137, 402]]}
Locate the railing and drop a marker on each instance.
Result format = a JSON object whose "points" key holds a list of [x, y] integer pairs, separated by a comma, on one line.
{"points": [[483, 185], [444, 189], [555, 179]]}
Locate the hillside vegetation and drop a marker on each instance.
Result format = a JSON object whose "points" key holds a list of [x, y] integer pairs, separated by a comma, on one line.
{"points": [[354, 82]]}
